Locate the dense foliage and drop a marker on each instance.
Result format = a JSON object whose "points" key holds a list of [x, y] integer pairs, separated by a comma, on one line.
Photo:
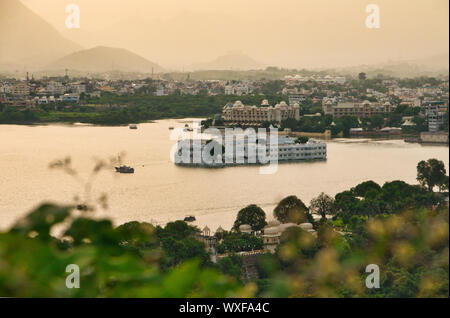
{"points": [[403, 229]]}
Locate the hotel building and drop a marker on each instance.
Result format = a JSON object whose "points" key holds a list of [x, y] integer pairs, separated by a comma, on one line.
{"points": [[364, 109], [286, 150], [239, 113]]}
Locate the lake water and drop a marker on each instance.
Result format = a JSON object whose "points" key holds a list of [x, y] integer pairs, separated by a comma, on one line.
{"points": [[160, 192]]}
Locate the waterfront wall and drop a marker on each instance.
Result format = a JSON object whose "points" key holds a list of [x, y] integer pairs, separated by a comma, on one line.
{"points": [[325, 135], [434, 137]]}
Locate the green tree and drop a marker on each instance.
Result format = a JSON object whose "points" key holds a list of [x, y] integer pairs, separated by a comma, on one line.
{"points": [[239, 242], [431, 173], [291, 209], [363, 188], [376, 121], [302, 140], [323, 205], [252, 215]]}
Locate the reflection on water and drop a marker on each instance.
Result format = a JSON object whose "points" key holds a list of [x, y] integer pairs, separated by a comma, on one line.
{"points": [[159, 191]]}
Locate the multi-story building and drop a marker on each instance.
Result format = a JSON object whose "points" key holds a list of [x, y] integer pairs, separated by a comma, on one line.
{"points": [[296, 98], [237, 89], [435, 113], [56, 88], [77, 88], [239, 113], [20, 89], [364, 109]]}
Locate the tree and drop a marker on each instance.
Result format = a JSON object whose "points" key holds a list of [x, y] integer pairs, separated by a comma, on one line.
{"points": [[179, 230], [252, 215], [291, 209], [363, 188], [323, 205], [431, 173], [376, 121], [395, 120], [344, 124], [362, 76], [239, 242], [231, 265], [301, 140]]}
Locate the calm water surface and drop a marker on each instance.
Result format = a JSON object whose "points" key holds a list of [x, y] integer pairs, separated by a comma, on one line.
{"points": [[160, 192]]}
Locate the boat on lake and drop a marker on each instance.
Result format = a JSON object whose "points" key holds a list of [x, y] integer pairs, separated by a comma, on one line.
{"points": [[124, 169], [189, 218]]}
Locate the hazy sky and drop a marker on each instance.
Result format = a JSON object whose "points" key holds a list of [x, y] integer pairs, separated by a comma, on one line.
{"points": [[297, 33]]}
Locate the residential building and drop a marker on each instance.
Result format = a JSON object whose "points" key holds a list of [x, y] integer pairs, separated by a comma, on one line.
{"points": [[436, 113], [20, 89]]}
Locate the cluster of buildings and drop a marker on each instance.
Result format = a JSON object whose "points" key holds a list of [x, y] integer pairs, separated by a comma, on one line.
{"points": [[337, 95], [30, 92], [270, 235], [327, 79]]}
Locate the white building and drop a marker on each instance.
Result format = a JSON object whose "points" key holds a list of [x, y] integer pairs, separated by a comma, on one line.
{"points": [[77, 88], [237, 89], [245, 151], [56, 88], [435, 114]]}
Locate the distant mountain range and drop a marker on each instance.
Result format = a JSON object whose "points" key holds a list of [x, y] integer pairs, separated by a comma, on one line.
{"points": [[27, 39], [29, 43], [105, 59], [231, 61], [430, 66]]}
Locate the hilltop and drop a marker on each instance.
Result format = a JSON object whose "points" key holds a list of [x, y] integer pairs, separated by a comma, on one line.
{"points": [[27, 39], [104, 59]]}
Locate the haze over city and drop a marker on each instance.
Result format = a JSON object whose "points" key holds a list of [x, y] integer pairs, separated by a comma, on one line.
{"points": [[181, 34]]}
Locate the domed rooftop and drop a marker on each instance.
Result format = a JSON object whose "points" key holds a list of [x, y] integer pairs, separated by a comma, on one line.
{"points": [[245, 227], [285, 226], [271, 230], [219, 230], [306, 226], [273, 223]]}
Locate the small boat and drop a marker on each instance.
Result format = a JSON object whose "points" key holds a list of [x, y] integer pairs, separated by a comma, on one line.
{"points": [[189, 218], [82, 207], [124, 169], [133, 127]]}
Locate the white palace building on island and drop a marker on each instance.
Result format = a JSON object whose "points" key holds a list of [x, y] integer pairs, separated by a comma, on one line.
{"points": [[287, 149]]}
